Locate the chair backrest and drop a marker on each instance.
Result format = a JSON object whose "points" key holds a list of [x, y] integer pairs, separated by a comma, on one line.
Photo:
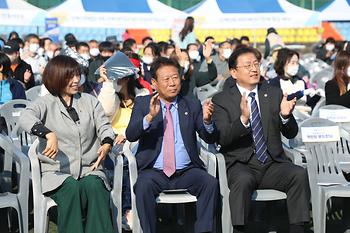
{"points": [[324, 152], [11, 111], [33, 93], [320, 103]]}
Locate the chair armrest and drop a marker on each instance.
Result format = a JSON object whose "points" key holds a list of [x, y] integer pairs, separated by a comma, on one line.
{"points": [[209, 160], [295, 155], [224, 190], [24, 172]]}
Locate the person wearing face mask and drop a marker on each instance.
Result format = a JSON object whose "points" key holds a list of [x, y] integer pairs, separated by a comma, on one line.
{"points": [[286, 67], [150, 53], [338, 89], [83, 49], [220, 60], [117, 98], [106, 50], [31, 56], [199, 78], [94, 52], [327, 51], [21, 70]]}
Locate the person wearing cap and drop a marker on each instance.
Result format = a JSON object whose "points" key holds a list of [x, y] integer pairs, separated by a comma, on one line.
{"points": [[117, 98], [22, 71], [272, 39]]}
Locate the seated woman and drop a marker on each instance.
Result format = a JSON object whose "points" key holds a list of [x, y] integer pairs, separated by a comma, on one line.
{"points": [[337, 89], [117, 98], [286, 67], [74, 137]]}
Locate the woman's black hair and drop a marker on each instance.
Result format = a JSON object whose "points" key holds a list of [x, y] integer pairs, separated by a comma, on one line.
{"points": [[5, 62]]}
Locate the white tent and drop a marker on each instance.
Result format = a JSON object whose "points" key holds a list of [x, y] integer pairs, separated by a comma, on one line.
{"points": [[19, 12], [73, 14], [251, 14], [339, 10]]}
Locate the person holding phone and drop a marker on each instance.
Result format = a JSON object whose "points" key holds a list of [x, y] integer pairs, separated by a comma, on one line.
{"points": [[287, 67], [74, 138]]}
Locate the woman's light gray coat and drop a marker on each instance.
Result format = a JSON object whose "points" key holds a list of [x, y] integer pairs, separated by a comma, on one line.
{"points": [[77, 142]]}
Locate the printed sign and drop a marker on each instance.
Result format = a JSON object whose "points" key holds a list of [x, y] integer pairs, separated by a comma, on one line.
{"points": [[320, 134], [335, 115]]}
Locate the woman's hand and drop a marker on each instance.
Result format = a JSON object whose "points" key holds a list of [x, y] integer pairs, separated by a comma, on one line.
{"points": [[102, 152], [120, 139], [51, 145], [103, 74]]}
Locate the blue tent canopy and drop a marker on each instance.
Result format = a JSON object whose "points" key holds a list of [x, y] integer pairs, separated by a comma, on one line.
{"points": [[126, 6], [251, 6], [3, 4]]}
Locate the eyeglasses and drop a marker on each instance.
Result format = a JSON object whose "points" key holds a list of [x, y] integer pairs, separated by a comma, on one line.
{"points": [[250, 66]]}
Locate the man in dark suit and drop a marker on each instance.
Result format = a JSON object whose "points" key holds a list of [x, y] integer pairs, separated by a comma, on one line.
{"points": [[165, 126], [250, 117]]}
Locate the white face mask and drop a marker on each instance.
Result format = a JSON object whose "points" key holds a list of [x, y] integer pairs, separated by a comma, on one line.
{"points": [[33, 48], [186, 66], [20, 51], [292, 70], [330, 47], [94, 52], [49, 54], [194, 54], [40, 51], [227, 53], [348, 71], [147, 60], [85, 56], [116, 86]]}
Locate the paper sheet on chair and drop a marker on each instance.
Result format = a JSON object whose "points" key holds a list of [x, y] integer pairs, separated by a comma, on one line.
{"points": [[327, 183], [335, 115], [320, 134]]}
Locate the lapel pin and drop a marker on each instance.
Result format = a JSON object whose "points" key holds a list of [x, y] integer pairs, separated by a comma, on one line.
{"points": [[186, 113], [265, 95]]}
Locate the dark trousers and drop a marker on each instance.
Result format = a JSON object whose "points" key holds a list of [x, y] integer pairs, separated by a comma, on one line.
{"points": [[83, 206], [198, 182], [244, 178]]}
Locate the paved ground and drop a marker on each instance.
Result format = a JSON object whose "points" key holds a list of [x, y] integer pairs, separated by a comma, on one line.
{"points": [[170, 223]]}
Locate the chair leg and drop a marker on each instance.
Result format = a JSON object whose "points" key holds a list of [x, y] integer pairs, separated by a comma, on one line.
{"points": [[40, 219]]}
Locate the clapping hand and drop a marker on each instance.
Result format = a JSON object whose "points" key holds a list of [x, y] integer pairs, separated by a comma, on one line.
{"points": [[154, 108], [245, 111], [26, 76], [286, 106], [207, 49], [208, 109]]}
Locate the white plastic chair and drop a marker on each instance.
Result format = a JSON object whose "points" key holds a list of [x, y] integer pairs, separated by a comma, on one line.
{"points": [[42, 203], [324, 159], [258, 195], [164, 197], [320, 103], [33, 93], [11, 111], [19, 200], [206, 91]]}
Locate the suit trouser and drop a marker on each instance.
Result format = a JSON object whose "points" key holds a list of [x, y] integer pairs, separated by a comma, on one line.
{"points": [[244, 178], [198, 182], [83, 206]]}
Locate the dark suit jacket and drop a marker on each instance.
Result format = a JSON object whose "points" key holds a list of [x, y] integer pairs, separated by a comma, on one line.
{"points": [[235, 139], [333, 94], [150, 140]]}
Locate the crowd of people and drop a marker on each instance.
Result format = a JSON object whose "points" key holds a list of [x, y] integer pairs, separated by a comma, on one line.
{"points": [[96, 95]]}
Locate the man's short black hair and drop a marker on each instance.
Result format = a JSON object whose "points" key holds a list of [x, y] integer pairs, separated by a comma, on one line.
{"points": [[81, 44], [30, 36], [106, 46], [146, 38], [160, 62], [244, 38], [224, 42], [209, 38], [129, 43], [232, 61], [190, 44]]}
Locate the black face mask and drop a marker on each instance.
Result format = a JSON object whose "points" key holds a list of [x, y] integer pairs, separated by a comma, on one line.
{"points": [[105, 58]]}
